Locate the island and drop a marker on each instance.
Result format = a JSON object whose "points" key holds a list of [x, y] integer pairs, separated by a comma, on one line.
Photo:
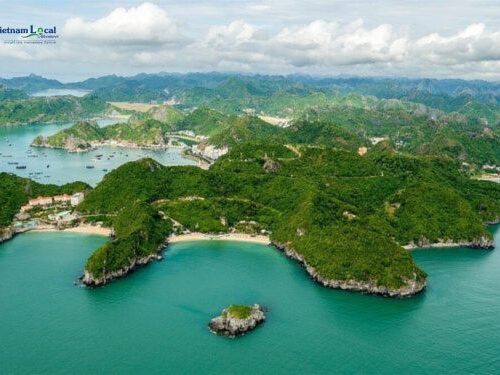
{"points": [[345, 217], [237, 320], [343, 183]]}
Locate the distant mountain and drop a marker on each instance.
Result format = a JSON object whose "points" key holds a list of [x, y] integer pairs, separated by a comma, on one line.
{"points": [[203, 87], [31, 83]]}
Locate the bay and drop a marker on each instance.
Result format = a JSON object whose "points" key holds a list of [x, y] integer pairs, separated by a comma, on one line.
{"points": [[46, 165], [155, 320]]}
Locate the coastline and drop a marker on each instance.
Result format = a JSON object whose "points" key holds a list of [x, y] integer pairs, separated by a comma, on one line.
{"points": [[111, 143], [482, 242], [410, 288], [198, 236], [85, 229]]}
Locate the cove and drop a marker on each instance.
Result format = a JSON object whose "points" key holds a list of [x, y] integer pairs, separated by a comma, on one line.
{"points": [[64, 166], [154, 321]]}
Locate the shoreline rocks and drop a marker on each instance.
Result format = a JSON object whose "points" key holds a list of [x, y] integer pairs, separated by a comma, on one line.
{"points": [[86, 146], [90, 280], [6, 234], [237, 320], [411, 287], [482, 242]]}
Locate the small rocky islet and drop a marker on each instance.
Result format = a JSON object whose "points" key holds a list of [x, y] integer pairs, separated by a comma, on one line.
{"points": [[237, 320]]}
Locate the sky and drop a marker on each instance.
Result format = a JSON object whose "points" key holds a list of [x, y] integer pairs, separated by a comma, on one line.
{"points": [[412, 38]]}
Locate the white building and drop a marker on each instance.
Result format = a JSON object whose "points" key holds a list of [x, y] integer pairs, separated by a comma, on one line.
{"points": [[77, 198]]}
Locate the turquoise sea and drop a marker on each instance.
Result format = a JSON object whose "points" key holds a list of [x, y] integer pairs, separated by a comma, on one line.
{"points": [[58, 166], [155, 321]]}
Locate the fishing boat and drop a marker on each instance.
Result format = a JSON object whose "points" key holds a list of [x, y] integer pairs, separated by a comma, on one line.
{"points": [[89, 166], [20, 167]]}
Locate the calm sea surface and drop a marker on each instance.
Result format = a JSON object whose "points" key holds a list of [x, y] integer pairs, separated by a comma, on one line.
{"points": [[58, 166], [155, 321]]}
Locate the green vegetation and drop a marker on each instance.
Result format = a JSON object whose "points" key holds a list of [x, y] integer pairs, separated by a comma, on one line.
{"points": [[340, 121], [304, 184], [140, 231], [239, 129], [32, 83], [16, 191], [8, 93], [76, 137], [203, 121], [49, 109], [238, 311], [147, 132], [345, 214], [418, 132]]}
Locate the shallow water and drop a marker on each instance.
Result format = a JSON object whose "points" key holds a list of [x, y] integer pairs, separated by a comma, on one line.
{"points": [[64, 166], [155, 321]]}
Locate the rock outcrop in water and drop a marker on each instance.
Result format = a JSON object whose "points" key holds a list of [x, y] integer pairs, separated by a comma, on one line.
{"points": [[408, 289], [236, 320]]}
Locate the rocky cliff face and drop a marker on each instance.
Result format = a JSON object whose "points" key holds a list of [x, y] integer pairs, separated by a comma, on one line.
{"points": [[482, 242], [411, 286], [228, 325], [5, 234], [90, 280]]}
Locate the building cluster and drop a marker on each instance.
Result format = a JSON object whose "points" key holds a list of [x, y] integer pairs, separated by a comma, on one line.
{"points": [[63, 216], [74, 200]]}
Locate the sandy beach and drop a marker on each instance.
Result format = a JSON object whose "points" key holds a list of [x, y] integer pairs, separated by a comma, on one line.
{"points": [[87, 229], [222, 237]]}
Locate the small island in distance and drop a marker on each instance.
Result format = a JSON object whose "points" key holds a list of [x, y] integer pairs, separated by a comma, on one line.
{"points": [[250, 187]]}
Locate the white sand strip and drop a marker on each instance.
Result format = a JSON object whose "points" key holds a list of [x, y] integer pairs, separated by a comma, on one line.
{"points": [[222, 237]]}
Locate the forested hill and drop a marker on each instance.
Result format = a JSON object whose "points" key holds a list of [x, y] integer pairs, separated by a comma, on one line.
{"points": [[14, 111], [345, 214], [348, 122], [15, 191], [233, 93]]}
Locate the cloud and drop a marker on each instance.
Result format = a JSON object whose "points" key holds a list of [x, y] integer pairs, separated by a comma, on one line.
{"points": [[146, 25], [148, 38], [8, 51], [329, 44], [473, 44]]}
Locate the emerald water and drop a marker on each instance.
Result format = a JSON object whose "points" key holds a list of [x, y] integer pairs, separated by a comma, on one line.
{"points": [[155, 321], [64, 166]]}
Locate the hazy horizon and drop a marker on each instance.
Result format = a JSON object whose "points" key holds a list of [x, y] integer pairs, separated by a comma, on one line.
{"points": [[246, 74], [415, 39]]}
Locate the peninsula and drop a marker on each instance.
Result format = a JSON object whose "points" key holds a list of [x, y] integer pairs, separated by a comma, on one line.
{"points": [[345, 219], [342, 183]]}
